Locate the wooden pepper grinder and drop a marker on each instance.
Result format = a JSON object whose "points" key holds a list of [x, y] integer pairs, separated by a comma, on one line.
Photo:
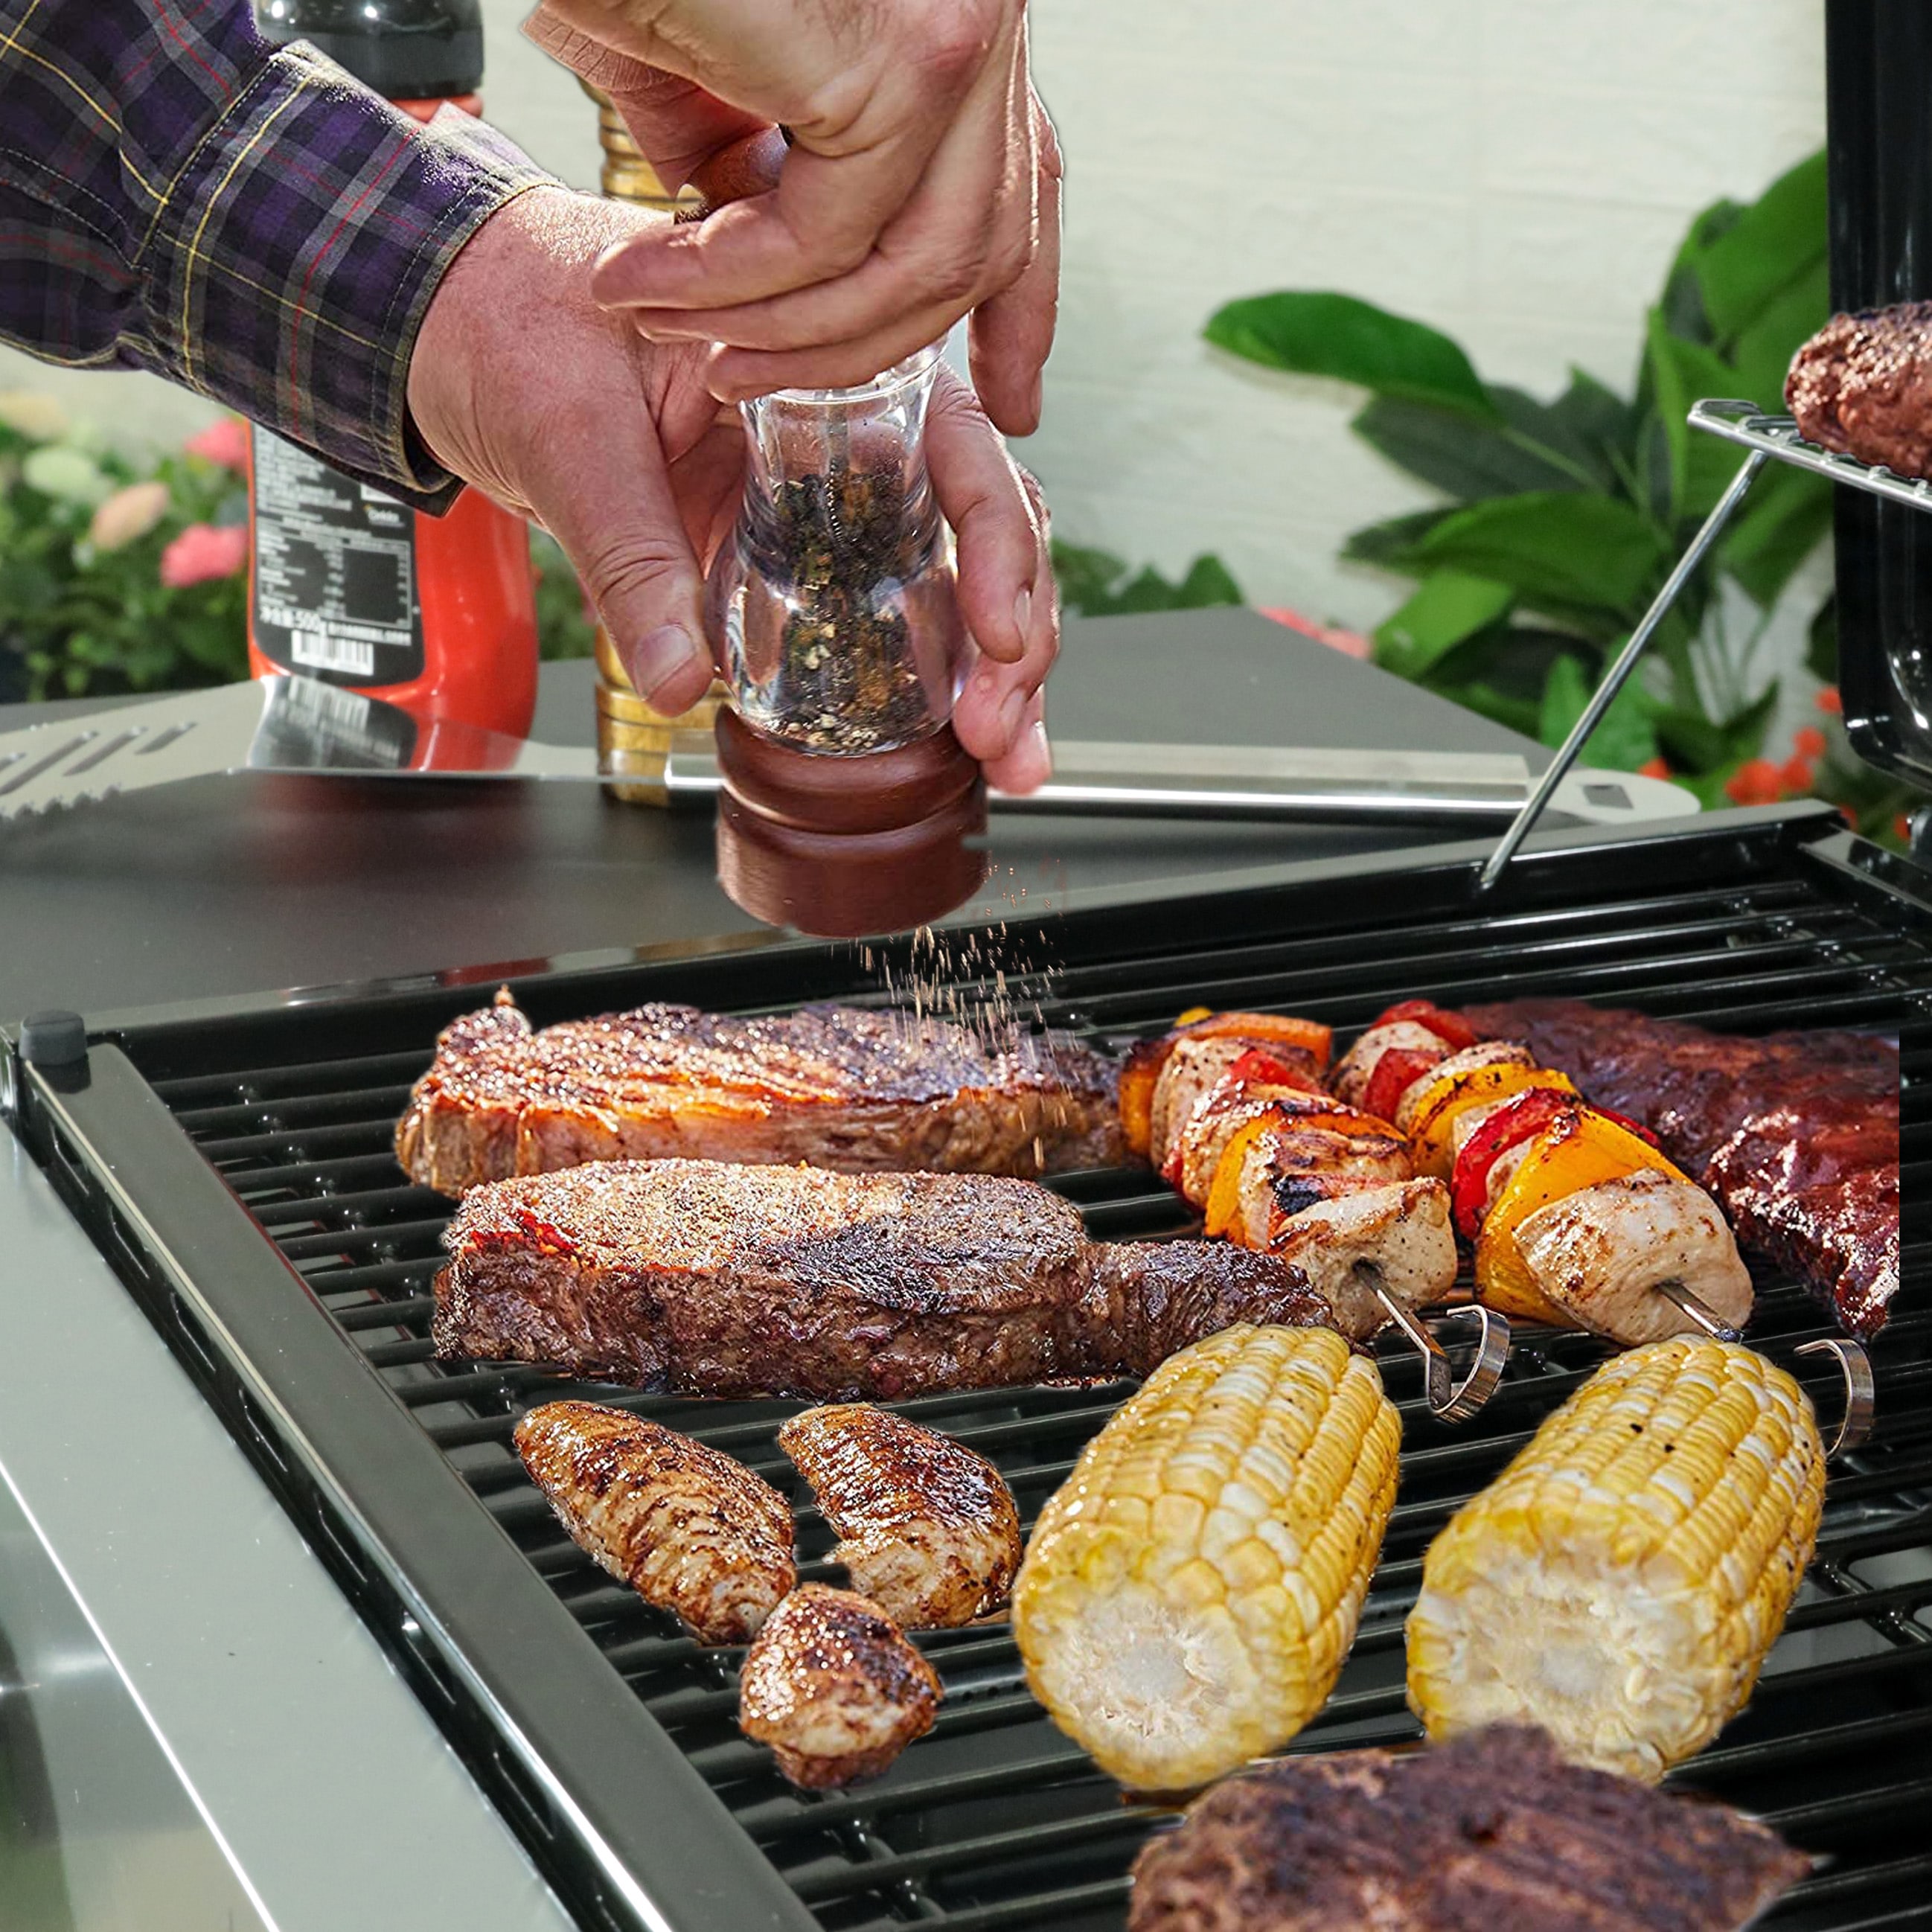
{"points": [[832, 611]]}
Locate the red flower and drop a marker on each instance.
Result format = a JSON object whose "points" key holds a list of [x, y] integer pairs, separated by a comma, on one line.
{"points": [[1850, 817], [1797, 774], [1901, 827], [203, 551], [1654, 768], [225, 442], [1808, 742], [1828, 701], [1756, 781]]}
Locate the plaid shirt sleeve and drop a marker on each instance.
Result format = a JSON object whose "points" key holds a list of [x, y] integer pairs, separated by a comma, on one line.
{"points": [[177, 195]]}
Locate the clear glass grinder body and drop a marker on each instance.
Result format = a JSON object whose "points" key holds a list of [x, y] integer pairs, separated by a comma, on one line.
{"points": [[831, 605]]}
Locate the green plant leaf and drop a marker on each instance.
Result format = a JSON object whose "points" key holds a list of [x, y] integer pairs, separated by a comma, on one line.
{"points": [[1514, 714], [1322, 333], [1785, 518], [1625, 738], [1464, 458], [1085, 576], [1772, 243], [1743, 729], [1391, 543], [1087, 580], [1447, 608], [1682, 301], [1567, 549], [1701, 466], [1692, 743], [1763, 353]]}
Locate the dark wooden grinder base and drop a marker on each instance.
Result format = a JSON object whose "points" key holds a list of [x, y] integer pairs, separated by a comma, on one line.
{"points": [[842, 847]]}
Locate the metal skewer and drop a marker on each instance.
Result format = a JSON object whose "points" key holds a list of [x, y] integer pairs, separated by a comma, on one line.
{"points": [[1450, 1400], [1699, 1311], [1619, 672]]}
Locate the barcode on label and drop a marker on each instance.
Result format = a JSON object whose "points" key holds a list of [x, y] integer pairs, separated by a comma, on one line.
{"points": [[321, 652]]}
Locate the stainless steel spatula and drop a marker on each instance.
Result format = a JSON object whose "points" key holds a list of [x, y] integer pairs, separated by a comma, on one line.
{"points": [[300, 724]]}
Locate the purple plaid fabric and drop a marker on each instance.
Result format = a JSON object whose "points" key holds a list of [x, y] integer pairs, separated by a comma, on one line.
{"points": [[177, 195]]}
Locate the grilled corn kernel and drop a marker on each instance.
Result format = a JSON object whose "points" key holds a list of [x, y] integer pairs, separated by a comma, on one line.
{"points": [[1621, 1582], [1191, 1591]]}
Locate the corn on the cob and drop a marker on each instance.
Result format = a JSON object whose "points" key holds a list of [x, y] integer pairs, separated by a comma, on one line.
{"points": [[1191, 1591], [1621, 1582]]}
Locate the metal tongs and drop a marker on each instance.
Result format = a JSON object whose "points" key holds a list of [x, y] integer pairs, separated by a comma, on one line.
{"points": [[299, 725]]}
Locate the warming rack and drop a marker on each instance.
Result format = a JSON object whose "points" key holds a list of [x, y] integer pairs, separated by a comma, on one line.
{"points": [[1767, 438]]}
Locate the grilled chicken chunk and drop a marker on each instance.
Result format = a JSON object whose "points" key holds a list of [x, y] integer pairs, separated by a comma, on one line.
{"points": [[1191, 1070], [1357, 1067], [688, 1528], [1398, 1237], [928, 1529], [832, 1686], [1484, 1053], [1601, 1253], [1217, 1118], [1492, 1830]]}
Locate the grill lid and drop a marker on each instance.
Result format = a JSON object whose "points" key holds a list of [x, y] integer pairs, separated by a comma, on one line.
{"points": [[1879, 110]]}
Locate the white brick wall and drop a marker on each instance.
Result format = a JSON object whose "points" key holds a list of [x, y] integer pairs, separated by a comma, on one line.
{"points": [[1517, 173]]}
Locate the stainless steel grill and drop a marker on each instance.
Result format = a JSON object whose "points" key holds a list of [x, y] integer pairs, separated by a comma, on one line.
{"points": [[609, 1738]]}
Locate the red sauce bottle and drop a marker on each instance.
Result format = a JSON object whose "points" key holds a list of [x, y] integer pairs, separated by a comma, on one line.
{"points": [[346, 584]]}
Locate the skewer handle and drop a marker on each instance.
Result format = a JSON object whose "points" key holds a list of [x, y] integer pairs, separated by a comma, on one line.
{"points": [[1619, 672], [1450, 1400], [1855, 1426]]}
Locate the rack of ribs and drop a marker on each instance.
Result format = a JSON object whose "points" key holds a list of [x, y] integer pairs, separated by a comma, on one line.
{"points": [[1796, 1134], [841, 1087], [703, 1278]]}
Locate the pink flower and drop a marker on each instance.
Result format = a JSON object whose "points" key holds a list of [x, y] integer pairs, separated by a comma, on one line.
{"points": [[225, 442], [1350, 643], [128, 513], [203, 551]]}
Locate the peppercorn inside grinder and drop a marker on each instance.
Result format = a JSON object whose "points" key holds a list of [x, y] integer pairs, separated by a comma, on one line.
{"points": [[847, 801]]}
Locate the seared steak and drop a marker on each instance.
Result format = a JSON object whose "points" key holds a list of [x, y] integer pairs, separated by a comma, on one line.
{"points": [[1493, 1833], [1863, 386], [706, 1278], [860, 1091], [1796, 1134]]}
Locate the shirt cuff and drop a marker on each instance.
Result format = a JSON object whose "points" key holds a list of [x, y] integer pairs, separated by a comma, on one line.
{"points": [[295, 255]]}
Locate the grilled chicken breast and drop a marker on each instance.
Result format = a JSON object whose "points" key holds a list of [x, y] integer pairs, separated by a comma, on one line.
{"points": [[1397, 1236], [832, 1686], [928, 1529], [688, 1528]]}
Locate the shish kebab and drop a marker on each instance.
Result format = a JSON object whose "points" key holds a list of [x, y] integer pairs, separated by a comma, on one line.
{"points": [[1423, 1132]]}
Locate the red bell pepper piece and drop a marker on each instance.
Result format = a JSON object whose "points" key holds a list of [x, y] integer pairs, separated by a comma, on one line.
{"points": [[1451, 1029], [1521, 1117], [1394, 1071]]}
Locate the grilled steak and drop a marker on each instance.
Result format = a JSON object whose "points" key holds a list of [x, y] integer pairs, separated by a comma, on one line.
{"points": [[1796, 1134], [858, 1091], [707, 1279], [1492, 1833], [1863, 386]]}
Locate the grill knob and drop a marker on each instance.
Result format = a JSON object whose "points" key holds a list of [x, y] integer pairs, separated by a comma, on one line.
{"points": [[54, 1039]]}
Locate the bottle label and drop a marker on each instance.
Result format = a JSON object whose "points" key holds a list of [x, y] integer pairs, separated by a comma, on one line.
{"points": [[335, 572]]}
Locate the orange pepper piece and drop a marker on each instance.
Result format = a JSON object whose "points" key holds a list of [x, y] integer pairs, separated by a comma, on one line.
{"points": [[1578, 1152], [1431, 1137]]}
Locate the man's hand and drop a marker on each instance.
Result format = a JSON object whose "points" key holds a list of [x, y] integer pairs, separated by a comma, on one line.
{"points": [[522, 384], [922, 183]]}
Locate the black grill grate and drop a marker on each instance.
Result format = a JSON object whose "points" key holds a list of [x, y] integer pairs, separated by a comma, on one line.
{"points": [[996, 1820]]}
